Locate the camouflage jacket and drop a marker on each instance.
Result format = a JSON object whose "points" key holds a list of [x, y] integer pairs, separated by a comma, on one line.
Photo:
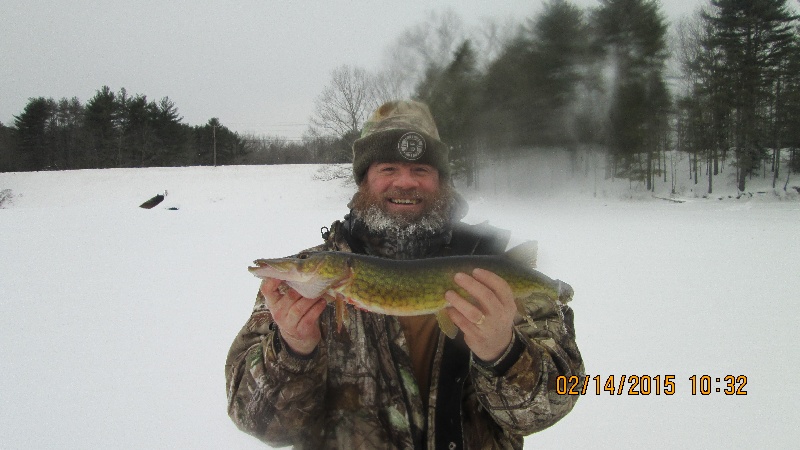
{"points": [[357, 389]]}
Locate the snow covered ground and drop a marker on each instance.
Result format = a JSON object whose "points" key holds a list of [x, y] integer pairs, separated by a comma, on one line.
{"points": [[115, 320]]}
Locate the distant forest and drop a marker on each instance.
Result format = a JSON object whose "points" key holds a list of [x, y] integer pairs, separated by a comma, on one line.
{"points": [[115, 129], [721, 85]]}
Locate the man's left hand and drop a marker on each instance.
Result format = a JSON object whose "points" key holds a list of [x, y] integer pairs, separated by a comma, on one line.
{"points": [[488, 323]]}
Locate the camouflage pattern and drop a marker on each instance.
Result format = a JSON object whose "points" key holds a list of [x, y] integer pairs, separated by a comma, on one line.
{"points": [[401, 115], [357, 389]]}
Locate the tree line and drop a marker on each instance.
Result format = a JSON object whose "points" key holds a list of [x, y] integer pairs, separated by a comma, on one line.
{"points": [[116, 129], [721, 86], [113, 129], [741, 65], [724, 86]]}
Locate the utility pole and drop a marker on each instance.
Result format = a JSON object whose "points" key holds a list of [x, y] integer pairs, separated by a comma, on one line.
{"points": [[214, 137]]}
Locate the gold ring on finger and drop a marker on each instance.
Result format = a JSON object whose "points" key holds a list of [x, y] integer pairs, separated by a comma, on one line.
{"points": [[480, 321]]}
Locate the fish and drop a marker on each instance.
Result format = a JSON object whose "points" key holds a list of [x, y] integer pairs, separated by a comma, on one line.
{"points": [[406, 287]]}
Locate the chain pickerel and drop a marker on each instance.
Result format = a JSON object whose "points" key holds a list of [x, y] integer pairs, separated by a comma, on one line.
{"points": [[405, 287]]}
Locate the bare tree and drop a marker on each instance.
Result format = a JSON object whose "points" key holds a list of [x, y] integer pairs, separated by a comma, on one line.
{"points": [[342, 107], [389, 85], [687, 40], [430, 43]]}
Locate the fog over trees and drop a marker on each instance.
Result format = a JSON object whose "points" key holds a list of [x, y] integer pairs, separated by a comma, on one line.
{"points": [[617, 85]]}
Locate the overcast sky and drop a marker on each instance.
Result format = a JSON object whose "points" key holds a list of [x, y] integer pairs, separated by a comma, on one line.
{"points": [[258, 65]]}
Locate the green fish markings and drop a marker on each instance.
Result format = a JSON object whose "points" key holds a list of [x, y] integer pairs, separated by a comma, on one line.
{"points": [[406, 287]]}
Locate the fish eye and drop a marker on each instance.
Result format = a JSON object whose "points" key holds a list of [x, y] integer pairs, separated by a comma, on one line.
{"points": [[303, 256]]}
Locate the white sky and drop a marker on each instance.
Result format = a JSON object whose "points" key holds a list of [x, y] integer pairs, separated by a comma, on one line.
{"points": [[257, 65]]}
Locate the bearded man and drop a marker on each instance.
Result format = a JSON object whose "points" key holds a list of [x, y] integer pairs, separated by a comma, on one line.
{"points": [[399, 382]]}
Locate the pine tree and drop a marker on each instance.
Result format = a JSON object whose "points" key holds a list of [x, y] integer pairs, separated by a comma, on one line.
{"points": [[8, 149], [753, 38], [216, 144], [34, 133], [171, 135], [559, 55], [103, 128], [703, 117], [69, 136], [137, 116], [452, 94], [632, 34], [532, 87]]}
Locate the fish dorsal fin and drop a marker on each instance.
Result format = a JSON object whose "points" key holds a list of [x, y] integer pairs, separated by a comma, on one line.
{"points": [[525, 253], [313, 288]]}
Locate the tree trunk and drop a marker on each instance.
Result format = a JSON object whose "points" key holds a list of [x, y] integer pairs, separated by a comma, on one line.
{"points": [[708, 164]]}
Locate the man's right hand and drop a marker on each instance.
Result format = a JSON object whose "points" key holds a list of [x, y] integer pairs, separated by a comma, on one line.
{"points": [[297, 317]]}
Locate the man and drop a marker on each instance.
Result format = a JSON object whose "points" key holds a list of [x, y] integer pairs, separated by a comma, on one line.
{"points": [[398, 382]]}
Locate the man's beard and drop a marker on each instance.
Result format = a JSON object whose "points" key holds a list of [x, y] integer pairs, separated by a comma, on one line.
{"points": [[371, 209]]}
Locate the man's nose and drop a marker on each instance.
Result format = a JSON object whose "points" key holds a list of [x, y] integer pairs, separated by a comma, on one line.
{"points": [[405, 180]]}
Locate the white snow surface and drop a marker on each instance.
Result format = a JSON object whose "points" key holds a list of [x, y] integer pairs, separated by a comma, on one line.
{"points": [[115, 320]]}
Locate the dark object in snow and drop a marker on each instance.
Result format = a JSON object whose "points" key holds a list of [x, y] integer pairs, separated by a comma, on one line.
{"points": [[673, 200], [173, 208], [152, 202], [6, 196]]}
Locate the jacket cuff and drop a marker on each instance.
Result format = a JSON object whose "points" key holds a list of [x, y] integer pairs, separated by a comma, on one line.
{"points": [[501, 364], [293, 361]]}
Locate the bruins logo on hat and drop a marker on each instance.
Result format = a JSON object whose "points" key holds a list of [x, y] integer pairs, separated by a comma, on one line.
{"points": [[411, 146]]}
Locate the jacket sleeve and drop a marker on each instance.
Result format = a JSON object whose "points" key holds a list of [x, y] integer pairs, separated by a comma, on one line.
{"points": [[523, 398], [272, 394]]}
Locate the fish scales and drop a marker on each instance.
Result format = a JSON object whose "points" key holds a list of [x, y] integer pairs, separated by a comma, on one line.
{"points": [[403, 287], [410, 287], [399, 287]]}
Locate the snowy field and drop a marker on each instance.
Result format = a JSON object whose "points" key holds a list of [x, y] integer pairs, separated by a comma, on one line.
{"points": [[115, 320]]}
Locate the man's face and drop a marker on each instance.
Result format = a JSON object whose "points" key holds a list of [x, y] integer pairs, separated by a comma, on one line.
{"points": [[404, 191]]}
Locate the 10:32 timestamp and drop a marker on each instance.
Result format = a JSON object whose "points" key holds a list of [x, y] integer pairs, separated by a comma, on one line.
{"points": [[649, 385]]}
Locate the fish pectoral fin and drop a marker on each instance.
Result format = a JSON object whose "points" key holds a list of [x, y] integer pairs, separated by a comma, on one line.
{"points": [[310, 289], [448, 327], [342, 316], [521, 310]]}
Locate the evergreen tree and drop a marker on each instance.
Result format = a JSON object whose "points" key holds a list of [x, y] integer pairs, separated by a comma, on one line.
{"points": [[703, 117], [137, 117], [505, 108], [171, 135], [215, 144], [789, 120], [632, 35], [69, 135], [103, 129], [786, 111], [753, 38], [557, 67], [34, 133], [532, 87], [452, 94], [8, 149]]}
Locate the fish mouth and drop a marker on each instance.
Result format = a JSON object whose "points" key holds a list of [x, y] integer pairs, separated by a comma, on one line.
{"points": [[279, 270]]}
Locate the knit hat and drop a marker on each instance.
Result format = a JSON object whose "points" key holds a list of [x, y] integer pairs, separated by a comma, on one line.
{"points": [[400, 131]]}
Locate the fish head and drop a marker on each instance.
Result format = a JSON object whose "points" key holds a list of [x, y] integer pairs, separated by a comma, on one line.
{"points": [[304, 267]]}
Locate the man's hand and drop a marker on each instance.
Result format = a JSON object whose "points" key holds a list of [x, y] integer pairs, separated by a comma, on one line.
{"points": [[487, 325], [297, 317]]}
